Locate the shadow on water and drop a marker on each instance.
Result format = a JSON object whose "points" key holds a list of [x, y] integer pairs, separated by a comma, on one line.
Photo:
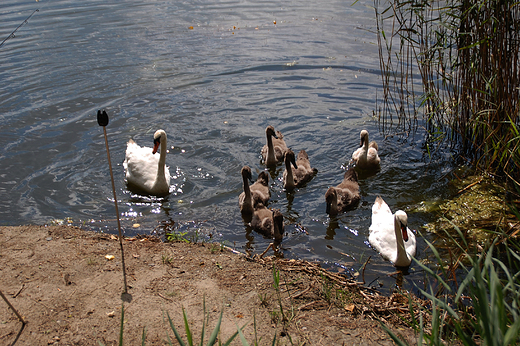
{"points": [[331, 228], [291, 215]]}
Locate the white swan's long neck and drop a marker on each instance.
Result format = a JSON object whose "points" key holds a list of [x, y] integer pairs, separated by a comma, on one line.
{"points": [[162, 159], [402, 256]]}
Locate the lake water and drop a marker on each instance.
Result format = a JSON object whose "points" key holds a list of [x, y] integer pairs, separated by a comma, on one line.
{"points": [[213, 75]]}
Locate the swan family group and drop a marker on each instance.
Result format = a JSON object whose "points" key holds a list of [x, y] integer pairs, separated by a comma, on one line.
{"points": [[146, 173]]}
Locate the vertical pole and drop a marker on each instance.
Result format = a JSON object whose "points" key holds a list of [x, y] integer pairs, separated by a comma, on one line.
{"points": [[103, 121], [12, 308]]}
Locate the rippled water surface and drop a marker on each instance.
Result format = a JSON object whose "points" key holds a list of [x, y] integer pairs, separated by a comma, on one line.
{"points": [[213, 75]]}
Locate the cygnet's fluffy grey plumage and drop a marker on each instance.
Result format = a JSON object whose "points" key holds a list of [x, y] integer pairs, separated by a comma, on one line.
{"points": [[302, 172], [273, 152], [268, 222], [345, 196], [366, 157], [260, 189], [255, 193]]}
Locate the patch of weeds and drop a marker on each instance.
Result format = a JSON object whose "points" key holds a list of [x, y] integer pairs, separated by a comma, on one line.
{"points": [[275, 317], [282, 315], [491, 284], [327, 288], [175, 236], [343, 296], [263, 299], [167, 259], [216, 248], [172, 294], [195, 236], [213, 337]]}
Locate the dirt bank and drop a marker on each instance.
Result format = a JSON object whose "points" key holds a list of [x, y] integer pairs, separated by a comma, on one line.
{"points": [[69, 293]]}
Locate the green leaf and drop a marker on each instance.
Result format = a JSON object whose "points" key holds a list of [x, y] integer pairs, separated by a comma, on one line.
{"points": [[214, 335], [122, 325], [143, 337], [242, 338], [177, 336], [187, 327]]}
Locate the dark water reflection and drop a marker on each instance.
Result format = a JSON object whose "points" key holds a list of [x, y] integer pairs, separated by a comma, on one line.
{"points": [[213, 76]]}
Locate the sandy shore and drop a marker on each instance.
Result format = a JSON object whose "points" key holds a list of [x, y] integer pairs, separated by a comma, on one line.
{"points": [[62, 281]]}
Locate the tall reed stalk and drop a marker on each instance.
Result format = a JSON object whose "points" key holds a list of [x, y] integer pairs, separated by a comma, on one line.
{"points": [[453, 67]]}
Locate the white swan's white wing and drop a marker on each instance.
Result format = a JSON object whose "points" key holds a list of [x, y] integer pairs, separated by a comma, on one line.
{"points": [[382, 239], [381, 212], [141, 166], [381, 232]]}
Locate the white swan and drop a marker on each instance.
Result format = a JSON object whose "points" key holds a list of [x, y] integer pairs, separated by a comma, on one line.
{"points": [[366, 157], [390, 236], [302, 172], [146, 173], [273, 152]]}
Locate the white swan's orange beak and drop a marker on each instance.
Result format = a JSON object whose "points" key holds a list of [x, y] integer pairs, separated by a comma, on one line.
{"points": [[155, 146], [405, 233]]}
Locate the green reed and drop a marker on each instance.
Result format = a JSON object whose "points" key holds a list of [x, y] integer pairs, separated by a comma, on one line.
{"points": [[455, 64]]}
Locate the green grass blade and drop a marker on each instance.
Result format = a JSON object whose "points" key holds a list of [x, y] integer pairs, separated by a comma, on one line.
{"points": [[122, 325], [228, 341], [187, 327], [274, 340], [512, 334], [214, 334], [143, 337], [430, 272], [441, 303], [177, 336], [394, 337], [412, 313], [242, 337]]}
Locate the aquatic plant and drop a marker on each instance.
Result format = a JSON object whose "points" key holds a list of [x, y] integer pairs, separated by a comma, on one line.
{"points": [[482, 308], [453, 67]]}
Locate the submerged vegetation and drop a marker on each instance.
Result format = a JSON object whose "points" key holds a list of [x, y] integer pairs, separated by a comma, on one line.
{"points": [[477, 207]]}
